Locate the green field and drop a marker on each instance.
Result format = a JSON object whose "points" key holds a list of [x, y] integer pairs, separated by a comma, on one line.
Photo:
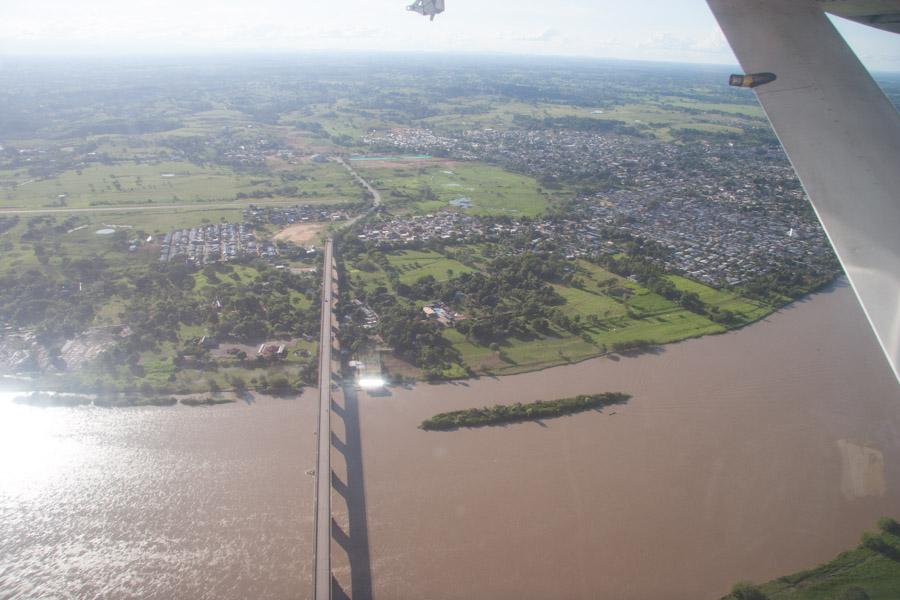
{"points": [[747, 310], [177, 183], [128, 183], [657, 117], [80, 240], [613, 311], [413, 265], [423, 189]]}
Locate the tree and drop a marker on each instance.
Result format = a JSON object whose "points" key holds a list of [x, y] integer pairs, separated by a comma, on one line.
{"points": [[280, 385], [238, 383], [853, 593], [875, 543], [747, 591], [889, 525]]}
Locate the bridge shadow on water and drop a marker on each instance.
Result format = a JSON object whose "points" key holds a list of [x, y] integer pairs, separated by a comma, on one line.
{"points": [[354, 541]]}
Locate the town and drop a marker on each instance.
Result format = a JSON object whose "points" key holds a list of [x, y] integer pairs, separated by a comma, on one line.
{"points": [[300, 213], [724, 212], [719, 246]]}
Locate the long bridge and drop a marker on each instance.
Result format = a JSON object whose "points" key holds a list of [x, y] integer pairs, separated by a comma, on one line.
{"points": [[323, 581], [322, 564]]}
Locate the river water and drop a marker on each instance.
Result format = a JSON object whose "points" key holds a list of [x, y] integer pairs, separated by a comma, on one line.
{"points": [[742, 456], [171, 502]]}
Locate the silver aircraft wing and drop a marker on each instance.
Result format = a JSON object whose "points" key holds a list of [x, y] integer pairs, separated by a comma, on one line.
{"points": [[842, 136]]}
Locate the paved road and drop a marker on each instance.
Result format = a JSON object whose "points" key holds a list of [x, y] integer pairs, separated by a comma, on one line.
{"points": [[375, 193], [145, 207], [322, 568]]}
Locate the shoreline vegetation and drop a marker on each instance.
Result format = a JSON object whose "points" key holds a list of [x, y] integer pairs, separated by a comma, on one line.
{"points": [[45, 400], [871, 571], [502, 414]]}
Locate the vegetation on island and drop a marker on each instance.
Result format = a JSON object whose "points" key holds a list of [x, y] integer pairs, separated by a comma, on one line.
{"points": [[871, 571], [206, 401], [501, 414]]}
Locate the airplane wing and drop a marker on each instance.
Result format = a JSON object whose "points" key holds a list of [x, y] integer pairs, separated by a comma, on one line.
{"points": [[839, 130]]}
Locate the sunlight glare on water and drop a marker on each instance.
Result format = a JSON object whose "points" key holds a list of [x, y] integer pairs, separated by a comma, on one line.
{"points": [[156, 502], [34, 449]]}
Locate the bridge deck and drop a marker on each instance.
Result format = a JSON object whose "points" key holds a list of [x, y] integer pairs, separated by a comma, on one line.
{"points": [[322, 568]]}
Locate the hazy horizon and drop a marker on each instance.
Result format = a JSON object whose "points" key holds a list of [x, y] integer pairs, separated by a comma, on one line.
{"points": [[652, 30], [250, 56]]}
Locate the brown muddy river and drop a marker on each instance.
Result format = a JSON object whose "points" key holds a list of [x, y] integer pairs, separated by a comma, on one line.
{"points": [[742, 456], [157, 502]]}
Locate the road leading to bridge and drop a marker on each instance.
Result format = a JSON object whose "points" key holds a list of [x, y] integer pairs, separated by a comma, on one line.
{"points": [[376, 195], [145, 207], [322, 566]]}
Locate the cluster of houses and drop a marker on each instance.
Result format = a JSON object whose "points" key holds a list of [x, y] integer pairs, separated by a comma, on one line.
{"points": [[569, 155], [420, 140], [449, 226], [716, 243], [221, 242], [726, 212], [441, 314], [239, 147], [19, 352], [370, 318], [272, 351], [289, 215]]}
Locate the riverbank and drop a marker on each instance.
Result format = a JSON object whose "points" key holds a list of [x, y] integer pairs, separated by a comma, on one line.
{"points": [[574, 310], [744, 443], [871, 571], [58, 400]]}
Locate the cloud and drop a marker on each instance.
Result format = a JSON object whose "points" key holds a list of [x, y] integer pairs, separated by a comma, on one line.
{"points": [[548, 35], [713, 42]]}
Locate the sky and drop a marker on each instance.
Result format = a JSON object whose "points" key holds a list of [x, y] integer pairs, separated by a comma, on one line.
{"points": [[658, 30]]}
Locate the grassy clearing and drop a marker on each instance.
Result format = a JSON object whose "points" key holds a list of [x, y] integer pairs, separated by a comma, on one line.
{"points": [[657, 117], [128, 183], [520, 356], [238, 274], [582, 302], [752, 110], [82, 241], [468, 113], [164, 221], [138, 183], [612, 310], [747, 310], [607, 322], [491, 190], [413, 265]]}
